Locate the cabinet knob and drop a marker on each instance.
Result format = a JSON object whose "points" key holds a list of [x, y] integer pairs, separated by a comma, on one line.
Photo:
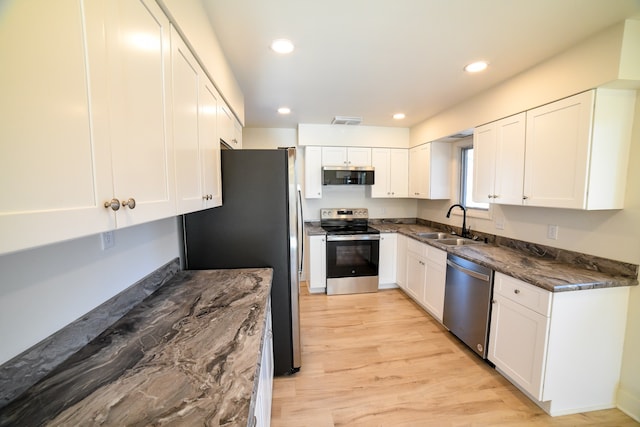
{"points": [[493, 301], [525, 197], [489, 196], [131, 203], [114, 204], [495, 196], [516, 291]]}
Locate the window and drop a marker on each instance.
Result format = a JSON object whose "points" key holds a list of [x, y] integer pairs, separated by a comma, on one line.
{"points": [[466, 181]]}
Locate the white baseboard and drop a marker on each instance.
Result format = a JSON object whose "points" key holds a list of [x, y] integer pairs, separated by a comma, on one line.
{"points": [[629, 404], [387, 286]]}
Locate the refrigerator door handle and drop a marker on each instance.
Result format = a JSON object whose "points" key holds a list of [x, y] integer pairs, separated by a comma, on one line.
{"points": [[301, 231]]}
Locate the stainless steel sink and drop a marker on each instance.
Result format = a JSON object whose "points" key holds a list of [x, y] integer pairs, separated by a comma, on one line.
{"points": [[460, 242], [434, 235]]}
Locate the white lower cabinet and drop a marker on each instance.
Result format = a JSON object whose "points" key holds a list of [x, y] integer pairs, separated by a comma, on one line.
{"points": [[426, 274], [387, 259], [562, 349], [262, 411], [317, 264], [401, 261]]}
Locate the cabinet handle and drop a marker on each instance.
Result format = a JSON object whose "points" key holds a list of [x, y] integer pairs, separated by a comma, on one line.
{"points": [[207, 197], [489, 196], [114, 204], [516, 291], [131, 203]]}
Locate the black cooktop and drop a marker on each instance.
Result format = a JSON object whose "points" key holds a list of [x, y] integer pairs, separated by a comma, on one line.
{"points": [[349, 229]]}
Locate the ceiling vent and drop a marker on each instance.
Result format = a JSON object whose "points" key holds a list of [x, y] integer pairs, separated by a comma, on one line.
{"points": [[346, 120]]}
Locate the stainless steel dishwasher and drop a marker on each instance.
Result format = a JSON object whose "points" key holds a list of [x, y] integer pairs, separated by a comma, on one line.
{"points": [[467, 302]]}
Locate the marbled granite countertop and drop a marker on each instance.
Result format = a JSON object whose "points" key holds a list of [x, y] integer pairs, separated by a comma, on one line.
{"points": [[189, 354], [552, 275]]}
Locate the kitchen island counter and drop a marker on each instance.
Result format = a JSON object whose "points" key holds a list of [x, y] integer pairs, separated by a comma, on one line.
{"points": [[189, 354]]}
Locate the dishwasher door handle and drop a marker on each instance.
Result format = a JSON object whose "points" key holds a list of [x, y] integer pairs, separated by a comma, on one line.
{"points": [[480, 276]]}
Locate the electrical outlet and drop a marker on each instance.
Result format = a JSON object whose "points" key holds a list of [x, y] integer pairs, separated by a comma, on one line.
{"points": [[107, 240], [552, 232], [499, 223]]}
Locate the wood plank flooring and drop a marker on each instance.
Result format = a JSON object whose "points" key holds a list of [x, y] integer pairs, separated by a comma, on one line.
{"points": [[380, 360]]}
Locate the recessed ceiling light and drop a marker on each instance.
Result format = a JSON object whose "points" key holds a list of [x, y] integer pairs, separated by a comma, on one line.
{"points": [[282, 46], [399, 116], [475, 67], [284, 110]]}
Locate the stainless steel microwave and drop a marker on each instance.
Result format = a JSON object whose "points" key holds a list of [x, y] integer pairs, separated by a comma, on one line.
{"points": [[338, 175]]}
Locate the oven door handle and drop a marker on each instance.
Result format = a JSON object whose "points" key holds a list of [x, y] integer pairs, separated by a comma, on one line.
{"points": [[351, 237]]}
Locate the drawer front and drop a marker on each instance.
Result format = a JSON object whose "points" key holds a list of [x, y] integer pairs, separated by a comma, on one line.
{"points": [[523, 293], [417, 247]]}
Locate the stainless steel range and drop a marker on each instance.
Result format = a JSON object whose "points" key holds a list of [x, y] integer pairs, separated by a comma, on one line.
{"points": [[352, 251]]}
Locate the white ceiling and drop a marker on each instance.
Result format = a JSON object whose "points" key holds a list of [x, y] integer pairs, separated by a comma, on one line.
{"points": [[373, 58]]}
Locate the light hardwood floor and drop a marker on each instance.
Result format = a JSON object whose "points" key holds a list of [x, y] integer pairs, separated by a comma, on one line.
{"points": [[380, 360]]}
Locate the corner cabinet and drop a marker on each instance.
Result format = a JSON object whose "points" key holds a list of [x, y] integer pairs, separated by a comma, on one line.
{"points": [[387, 259], [391, 172], [577, 151], [317, 264], [553, 347], [498, 170], [430, 171]]}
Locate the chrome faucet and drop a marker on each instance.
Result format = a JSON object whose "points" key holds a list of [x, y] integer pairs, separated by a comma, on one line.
{"points": [[465, 232]]}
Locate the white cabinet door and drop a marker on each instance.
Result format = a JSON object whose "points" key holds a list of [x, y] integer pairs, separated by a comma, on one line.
{"points": [[498, 149], [313, 173], [484, 163], [226, 128], [391, 172], [435, 281], [518, 343], [237, 134], [399, 172], [185, 76], [381, 161], [346, 156], [557, 152], [132, 104], [358, 156], [401, 265], [416, 276], [387, 259], [334, 156], [429, 171], [577, 150], [209, 143], [317, 264], [51, 188], [264, 395]]}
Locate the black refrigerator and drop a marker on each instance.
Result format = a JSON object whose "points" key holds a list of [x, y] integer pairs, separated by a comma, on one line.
{"points": [[258, 225]]}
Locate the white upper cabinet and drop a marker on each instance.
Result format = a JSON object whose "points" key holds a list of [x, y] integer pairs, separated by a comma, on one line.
{"points": [[577, 151], [346, 156], [429, 171], [51, 188], [391, 172], [312, 173], [129, 62], [498, 150], [195, 137]]}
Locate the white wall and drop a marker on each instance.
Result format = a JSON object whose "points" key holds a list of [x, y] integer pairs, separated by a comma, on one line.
{"points": [[609, 234], [44, 289]]}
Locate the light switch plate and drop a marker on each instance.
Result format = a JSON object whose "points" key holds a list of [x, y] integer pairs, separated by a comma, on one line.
{"points": [[552, 232], [499, 223]]}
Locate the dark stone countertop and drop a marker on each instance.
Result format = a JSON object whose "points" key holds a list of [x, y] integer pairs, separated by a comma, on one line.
{"points": [[578, 273], [189, 354]]}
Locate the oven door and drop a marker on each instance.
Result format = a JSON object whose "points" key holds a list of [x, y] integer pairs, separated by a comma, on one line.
{"points": [[352, 255]]}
